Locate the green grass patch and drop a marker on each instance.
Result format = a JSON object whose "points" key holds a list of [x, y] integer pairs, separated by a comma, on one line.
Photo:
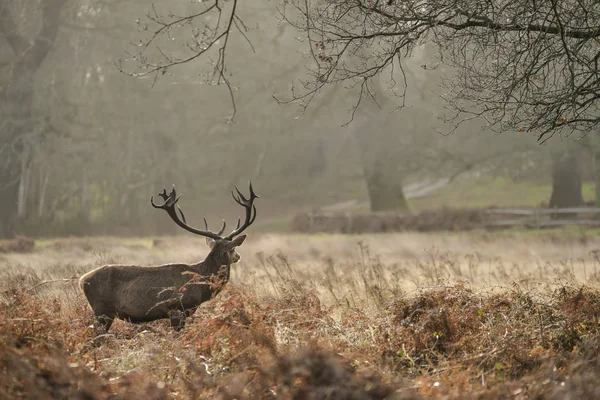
{"points": [[486, 192]]}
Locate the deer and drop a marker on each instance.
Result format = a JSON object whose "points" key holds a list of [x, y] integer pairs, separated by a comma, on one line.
{"points": [[139, 294]]}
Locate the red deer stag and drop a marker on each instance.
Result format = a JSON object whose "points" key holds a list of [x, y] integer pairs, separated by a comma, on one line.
{"points": [[142, 294]]}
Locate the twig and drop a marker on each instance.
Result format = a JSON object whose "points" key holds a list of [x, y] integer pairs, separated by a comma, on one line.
{"points": [[71, 279]]}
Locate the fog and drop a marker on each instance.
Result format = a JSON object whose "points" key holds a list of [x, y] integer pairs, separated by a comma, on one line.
{"points": [[427, 226], [95, 137]]}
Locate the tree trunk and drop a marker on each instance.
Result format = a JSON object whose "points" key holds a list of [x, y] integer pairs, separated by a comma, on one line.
{"points": [[42, 197], [381, 173], [597, 177], [378, 148], [566, 181], [9, 184], [83, 208], [16, 102], [385, 189], [23, 188], [380, 167], [595, 149]]}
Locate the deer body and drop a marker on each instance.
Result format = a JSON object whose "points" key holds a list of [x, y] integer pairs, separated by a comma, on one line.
{"points": [[142, 294]]}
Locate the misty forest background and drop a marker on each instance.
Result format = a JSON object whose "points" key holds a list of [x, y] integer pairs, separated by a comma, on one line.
{"points": [[84, 144]]}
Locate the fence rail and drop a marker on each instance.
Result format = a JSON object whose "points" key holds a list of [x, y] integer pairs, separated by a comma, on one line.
{"points": [[445, 219], [540, 217]]}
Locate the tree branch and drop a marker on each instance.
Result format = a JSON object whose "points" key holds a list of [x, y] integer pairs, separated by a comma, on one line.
{"points": [[484, 22], [10, 31], [32, 52], [526, 66], [45, 38], [205, 38]]}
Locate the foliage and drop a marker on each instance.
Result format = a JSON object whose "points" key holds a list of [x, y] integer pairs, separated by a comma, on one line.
{"points": [[451, 338]]}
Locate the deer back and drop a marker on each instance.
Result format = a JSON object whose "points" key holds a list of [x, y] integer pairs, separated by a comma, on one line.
{"points": [[145, 293]]}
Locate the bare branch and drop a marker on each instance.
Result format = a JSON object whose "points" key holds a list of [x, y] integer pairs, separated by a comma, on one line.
{"points": [[45, 38], [8, 29], [526, 66], [208, 31]]}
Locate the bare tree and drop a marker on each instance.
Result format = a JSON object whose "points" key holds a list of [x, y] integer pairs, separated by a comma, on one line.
{"points": [[525, 66], [209, 28]]}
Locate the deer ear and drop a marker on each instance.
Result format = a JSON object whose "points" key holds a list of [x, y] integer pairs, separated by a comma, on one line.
{"points": [[210, 242], [238, 241]]}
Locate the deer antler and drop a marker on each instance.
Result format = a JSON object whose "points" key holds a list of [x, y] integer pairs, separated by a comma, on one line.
{"points": [[222, 229], [170, 201], [248, 204]]}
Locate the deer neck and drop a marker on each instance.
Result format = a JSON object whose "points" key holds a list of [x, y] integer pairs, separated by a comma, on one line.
{"points": [[213, 265]]}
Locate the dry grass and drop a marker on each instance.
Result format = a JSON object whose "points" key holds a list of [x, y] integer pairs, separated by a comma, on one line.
{"points": [[401, 316], [19, 244]]}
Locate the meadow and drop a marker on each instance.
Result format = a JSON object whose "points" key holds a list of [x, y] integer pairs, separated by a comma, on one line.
{"points": [[476, 315]]}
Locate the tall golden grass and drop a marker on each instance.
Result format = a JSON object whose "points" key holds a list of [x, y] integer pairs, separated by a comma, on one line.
{"points": [[403, 316]]}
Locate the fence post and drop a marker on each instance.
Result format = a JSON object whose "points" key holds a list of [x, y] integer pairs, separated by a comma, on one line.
{"points": [[349, 222]]}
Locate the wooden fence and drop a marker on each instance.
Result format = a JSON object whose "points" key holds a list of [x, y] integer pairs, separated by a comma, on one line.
{"points": [[540, 217], [444, 220]]}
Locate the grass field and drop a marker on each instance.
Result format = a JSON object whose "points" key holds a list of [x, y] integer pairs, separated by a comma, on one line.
{"points": [[463, 193], [404, 316], [493, 191]]}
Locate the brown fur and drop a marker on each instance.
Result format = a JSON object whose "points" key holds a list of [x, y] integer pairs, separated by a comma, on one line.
{"points": [[142, 294]]}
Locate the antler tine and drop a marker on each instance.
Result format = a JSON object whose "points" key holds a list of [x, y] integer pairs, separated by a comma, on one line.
{"points": [[222, 229], [166, 197], [170, 201], [252, 194], [181, 213], [164, 194], [240, 194], [248, 204], [237, 199]]}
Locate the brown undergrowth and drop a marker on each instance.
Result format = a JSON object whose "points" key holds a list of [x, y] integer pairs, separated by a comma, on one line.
{"points": [[370, 340], [445, 341], [19, 244]]}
